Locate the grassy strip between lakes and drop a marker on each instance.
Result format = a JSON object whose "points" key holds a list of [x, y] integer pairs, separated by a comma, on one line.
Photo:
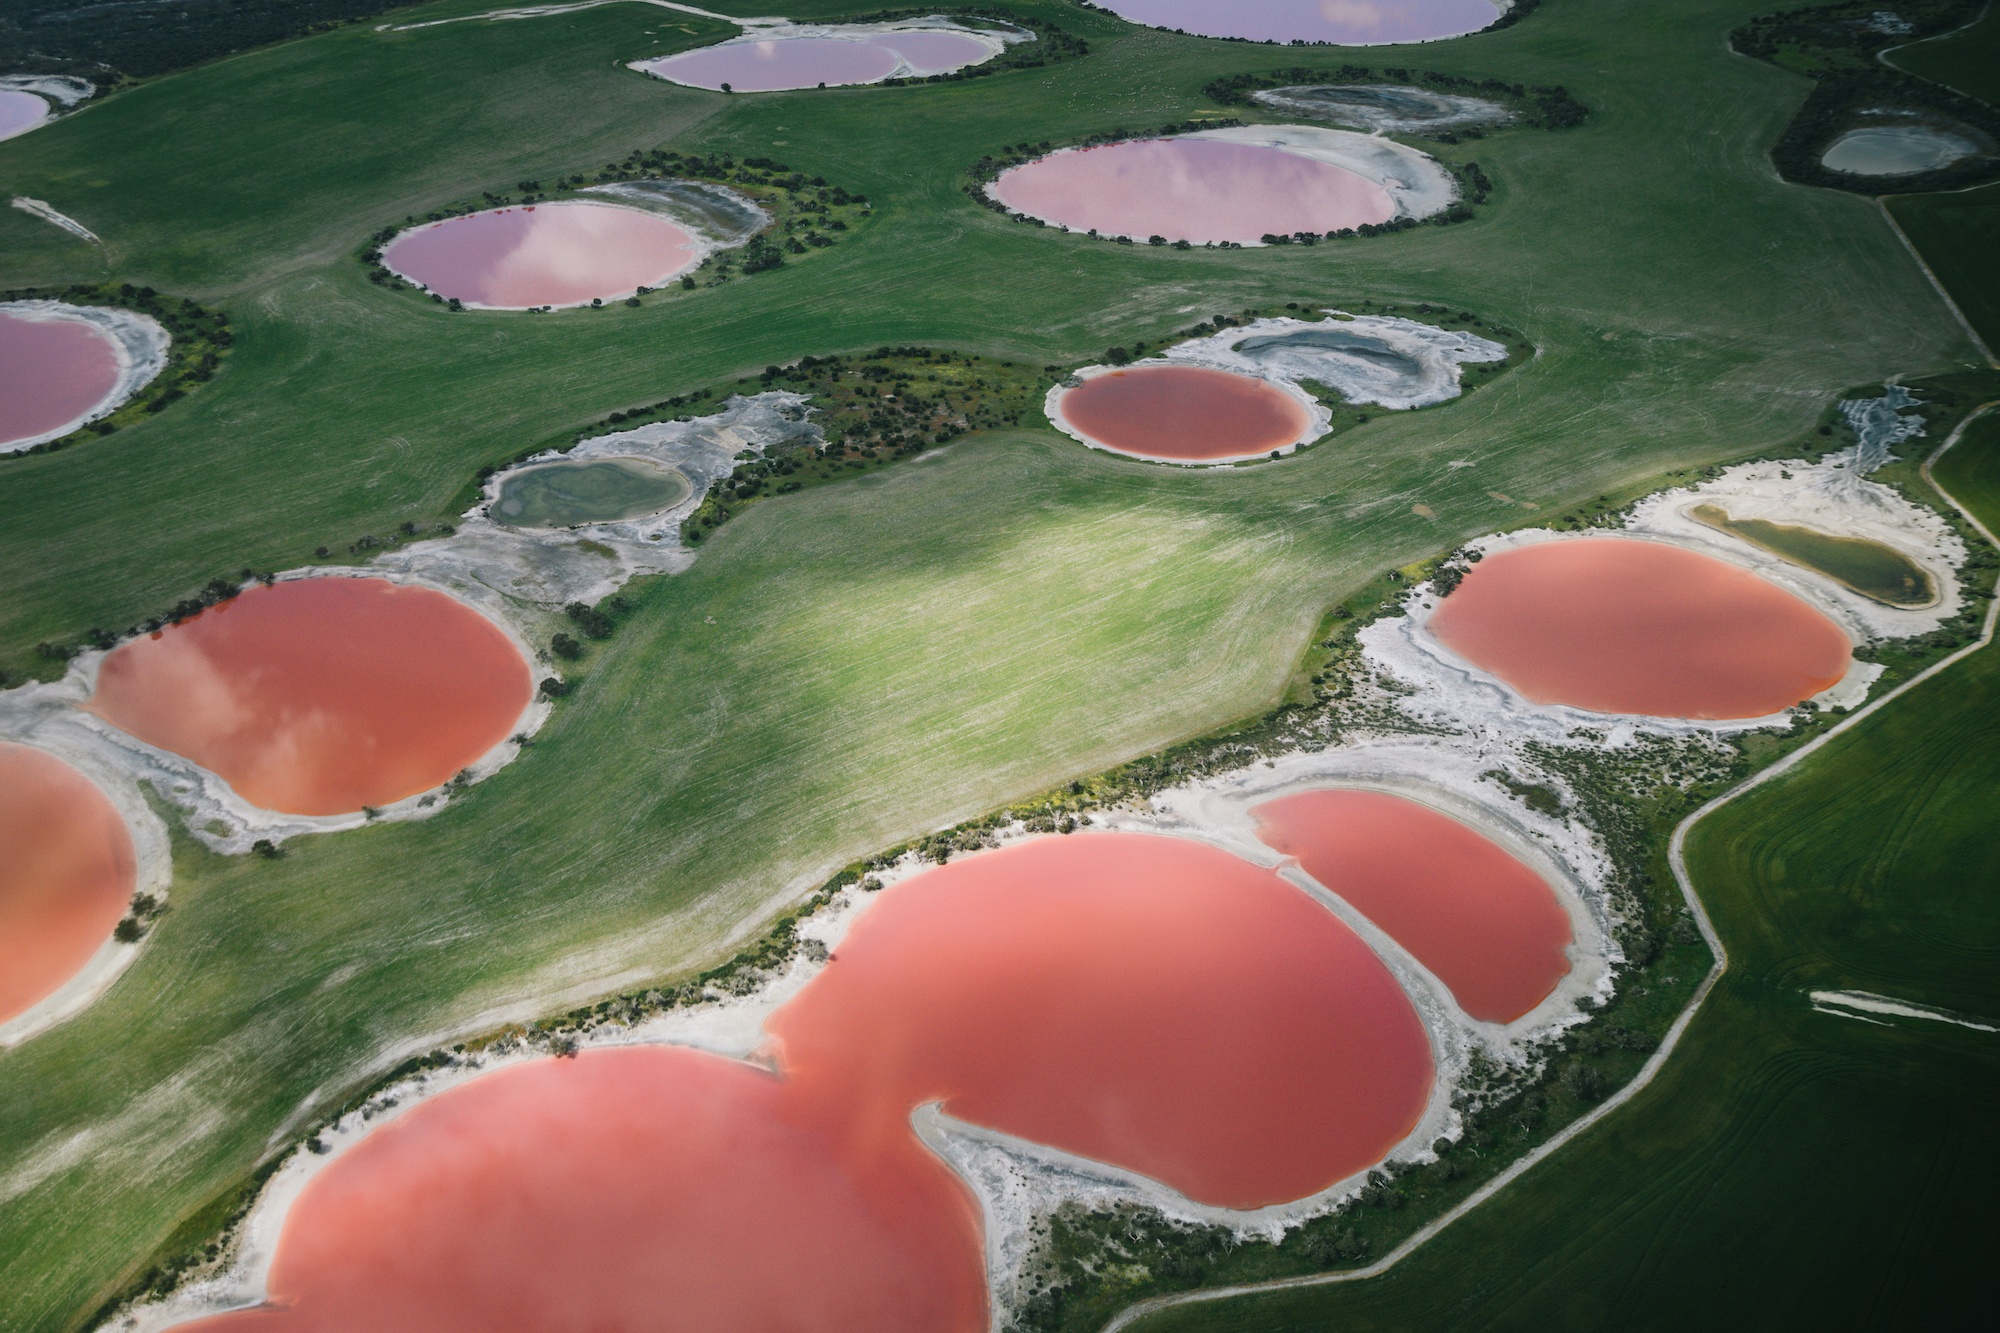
{"points": [[1958, 235]]}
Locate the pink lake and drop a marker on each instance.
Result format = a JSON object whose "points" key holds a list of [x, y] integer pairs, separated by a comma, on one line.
{"points": [[67, 872], [1483, 923], [1341, 22], [54, 373], [1184, 414], [1196, 190], [1147, 1001], [557, 254], [1621, 625], [779, 64], [20, 112]]}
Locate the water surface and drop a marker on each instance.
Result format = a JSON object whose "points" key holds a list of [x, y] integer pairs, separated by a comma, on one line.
{"points": [[1896, 150], [53, 374], [20, 112], [1184, 413], [1621, 625], [67, 873], [782, 63], [543, 254], [322, 696], [1484, 924], [1875, 571], [1342, 22], [1198, 190], [598, 490]]}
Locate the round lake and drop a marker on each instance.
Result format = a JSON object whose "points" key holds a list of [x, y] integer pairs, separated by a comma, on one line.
{"points": [[1487, 926], [557, 254], [20, 112], [779, 64], [1183, 414], [1895, 150], [1341, 22], [67, 872], [598, 490], [1620, 625], [55, 374], [1197, 190], [322, 696]]}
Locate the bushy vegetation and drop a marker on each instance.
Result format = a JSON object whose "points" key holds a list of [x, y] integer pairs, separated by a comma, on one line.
{"points": [[88, 37]]}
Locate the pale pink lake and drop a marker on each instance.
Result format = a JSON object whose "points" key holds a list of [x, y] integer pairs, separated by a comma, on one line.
{"points": [[543, 254], [1147, 1001], [20, 112], [1487, 926], [1341, 22], [1196, 190], [779, 64], [1620, 625], [53, 374]]}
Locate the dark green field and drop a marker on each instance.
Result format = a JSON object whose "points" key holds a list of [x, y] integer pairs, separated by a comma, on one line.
{"points": [[866, 661]]}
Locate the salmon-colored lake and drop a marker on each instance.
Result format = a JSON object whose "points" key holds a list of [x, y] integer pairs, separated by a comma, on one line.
{"points": [[1485, 925], [543, 254], [778, 64], [1184, 413], [1620, 625], [67, 873], [644, 1188], [321, 696], [53, 374], [1195, 190], [1341, 22], [1151, 1002]]}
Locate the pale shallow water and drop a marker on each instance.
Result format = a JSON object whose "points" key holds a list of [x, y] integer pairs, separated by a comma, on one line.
{"points": [[1151, 1002], [1619, 625], [67, 872], [1483, 923], [1342, 22], [1896, 150], [20, 112], [52, 372], [1197, 190], [1184, 413], [783, 63], [321, 696], [543, 254]]}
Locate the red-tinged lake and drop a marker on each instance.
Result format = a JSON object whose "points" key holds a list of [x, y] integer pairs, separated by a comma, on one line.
{"points": [[20, 112], [67, 873], [1184, 414], [1622, 625], [1150, 1002], [1197, 190], [54, 373], [322, 696], [1487, 926], [559, 254], [643, 1188], [1340, 22], [783, 63]]}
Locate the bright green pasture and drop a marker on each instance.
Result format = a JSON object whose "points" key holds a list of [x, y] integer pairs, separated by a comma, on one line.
{"points": [[1789, 1168], [856, 663]]}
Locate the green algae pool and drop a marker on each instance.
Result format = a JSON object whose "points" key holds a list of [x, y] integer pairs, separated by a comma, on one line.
{"points": [[1875, 571], [599, 490]]}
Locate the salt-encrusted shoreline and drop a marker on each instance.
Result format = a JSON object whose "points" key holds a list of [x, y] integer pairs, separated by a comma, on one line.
{"points": [[1377, 115], [138, 342]]}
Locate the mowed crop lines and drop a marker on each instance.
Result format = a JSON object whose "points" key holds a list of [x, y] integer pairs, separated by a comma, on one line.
{"points": [[851, 665]]}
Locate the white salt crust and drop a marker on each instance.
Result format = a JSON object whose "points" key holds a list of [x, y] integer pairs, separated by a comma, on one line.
{"points": [[138, 342], [1366, 107]]}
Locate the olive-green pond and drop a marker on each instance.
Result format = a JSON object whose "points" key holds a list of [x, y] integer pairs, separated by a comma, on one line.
{"points": [[598, 490], [1875, 571]]}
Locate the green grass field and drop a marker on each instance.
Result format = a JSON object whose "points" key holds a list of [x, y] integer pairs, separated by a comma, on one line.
{"points": [[1958, 235], [886, 655], [1789, 1168]]}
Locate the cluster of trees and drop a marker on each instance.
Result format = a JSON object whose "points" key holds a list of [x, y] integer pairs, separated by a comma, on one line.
{"points": [[88, 37], [1544, 106]]}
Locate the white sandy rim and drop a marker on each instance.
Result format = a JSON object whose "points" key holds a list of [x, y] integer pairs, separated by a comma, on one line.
{"points": [[993, 41], [153, 855], [1318, 418], [1381, 120], [1676, 859], [63, 88], [698, 246], [137, 341], [41, 209], [1870, 1003]]}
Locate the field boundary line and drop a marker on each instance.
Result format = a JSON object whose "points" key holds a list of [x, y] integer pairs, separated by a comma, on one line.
{"points": [[1676, 860], [1882, 203]]}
